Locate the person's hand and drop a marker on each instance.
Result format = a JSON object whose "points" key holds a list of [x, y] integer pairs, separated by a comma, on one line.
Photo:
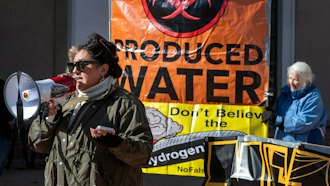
{"points": [[280, 123], [280, 126], [105, 138], [268, 116], [44, 110], [50, 108], [99, 132]]}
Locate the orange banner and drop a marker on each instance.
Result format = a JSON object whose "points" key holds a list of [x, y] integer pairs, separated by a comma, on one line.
{"points": [[193, 51]]}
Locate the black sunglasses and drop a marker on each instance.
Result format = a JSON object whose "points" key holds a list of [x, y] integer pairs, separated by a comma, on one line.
{"points": [[81, 65]]}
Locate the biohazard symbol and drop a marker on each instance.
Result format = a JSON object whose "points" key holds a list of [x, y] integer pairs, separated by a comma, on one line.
{"points": [[184, 18], [181, 6]]}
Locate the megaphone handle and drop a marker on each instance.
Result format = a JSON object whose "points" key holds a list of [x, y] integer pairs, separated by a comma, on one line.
{"points": [[19, 105]]}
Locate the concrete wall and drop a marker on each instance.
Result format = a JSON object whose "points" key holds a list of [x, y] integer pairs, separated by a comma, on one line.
{"points": [[86, 17], [312, 41], [35, 34], [33, 37]]}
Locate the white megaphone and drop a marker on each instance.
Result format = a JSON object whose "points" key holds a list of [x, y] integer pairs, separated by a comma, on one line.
{"points": [[21, 89]]}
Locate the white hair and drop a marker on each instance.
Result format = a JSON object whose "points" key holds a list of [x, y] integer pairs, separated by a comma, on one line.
{"points": [[304, 71]]}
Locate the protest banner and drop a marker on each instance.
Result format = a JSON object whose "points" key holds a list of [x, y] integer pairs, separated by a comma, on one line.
{"points": [[252, 160], [199, 66]]}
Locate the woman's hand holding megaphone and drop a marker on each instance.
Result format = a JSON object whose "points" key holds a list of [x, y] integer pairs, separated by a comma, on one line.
{"points": [[52, 110]]}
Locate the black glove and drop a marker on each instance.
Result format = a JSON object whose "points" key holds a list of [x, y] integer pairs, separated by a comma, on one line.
{"points": [[59, 113], [268, 116], [109, 140], [44, 109], [280, 126]]}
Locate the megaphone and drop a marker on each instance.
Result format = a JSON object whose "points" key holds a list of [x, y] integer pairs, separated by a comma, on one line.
{"points": [[21, 89]]}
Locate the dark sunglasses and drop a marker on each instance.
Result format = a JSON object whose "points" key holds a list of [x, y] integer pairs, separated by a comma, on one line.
{"points": [[81, 65]]}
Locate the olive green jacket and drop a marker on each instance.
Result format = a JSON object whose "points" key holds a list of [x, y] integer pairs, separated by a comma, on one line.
{"points": [[75, 158]]}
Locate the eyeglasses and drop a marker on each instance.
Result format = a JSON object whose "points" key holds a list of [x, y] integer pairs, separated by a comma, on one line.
{"points": [[81, 65]]}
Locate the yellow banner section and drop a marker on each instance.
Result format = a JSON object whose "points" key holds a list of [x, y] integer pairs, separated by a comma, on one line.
{"points": [[179, 131], [207, 117]]}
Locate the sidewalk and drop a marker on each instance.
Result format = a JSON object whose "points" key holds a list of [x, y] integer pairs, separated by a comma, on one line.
{"points": [[34, 177], [13, 177], [22, 177]]}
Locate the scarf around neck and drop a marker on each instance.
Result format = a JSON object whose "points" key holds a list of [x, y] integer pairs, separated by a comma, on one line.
{"points": [[95, 92], [99, 90]]}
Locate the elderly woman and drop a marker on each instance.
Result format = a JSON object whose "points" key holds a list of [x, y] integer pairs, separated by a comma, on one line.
{"points": [[82, 151], [299, 114]]}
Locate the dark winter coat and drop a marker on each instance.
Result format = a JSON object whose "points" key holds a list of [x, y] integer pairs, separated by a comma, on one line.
{"points": [[75, 158]]}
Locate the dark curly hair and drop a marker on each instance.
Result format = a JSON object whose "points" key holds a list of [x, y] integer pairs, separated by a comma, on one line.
{"points": [[104, 52]]}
